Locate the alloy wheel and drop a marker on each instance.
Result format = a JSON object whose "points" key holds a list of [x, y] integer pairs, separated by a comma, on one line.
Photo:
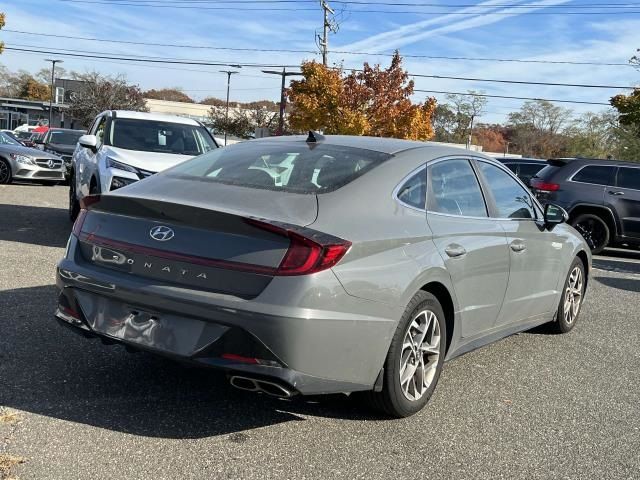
{"points": [[4, 172], [592, 233], [573, 295], [419, 355]]}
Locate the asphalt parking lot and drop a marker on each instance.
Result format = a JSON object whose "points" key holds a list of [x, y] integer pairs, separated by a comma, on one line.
{"points": [[531, 406]]}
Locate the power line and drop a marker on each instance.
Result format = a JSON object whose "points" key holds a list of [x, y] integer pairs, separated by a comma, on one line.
{"points": [[521, 82], [511, 97], [132, 3], [394, 4], [342, 52], [109, 56]]}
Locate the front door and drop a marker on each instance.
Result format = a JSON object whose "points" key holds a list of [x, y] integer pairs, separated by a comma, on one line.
{"points": [[473, 246], [624, 199], [535, 253]]}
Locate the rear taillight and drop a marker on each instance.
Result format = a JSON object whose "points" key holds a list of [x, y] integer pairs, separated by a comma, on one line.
{"points": [[85, 203], [304, 255], [544, 186]]}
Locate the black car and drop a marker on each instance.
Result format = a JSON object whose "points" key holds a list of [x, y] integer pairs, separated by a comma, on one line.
{"points": [[524, 168], [601, 196], [61, 142]]}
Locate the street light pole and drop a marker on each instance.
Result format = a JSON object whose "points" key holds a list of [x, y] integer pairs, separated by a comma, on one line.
{"points": [[53, 72], [226, 115], [284, 74]]}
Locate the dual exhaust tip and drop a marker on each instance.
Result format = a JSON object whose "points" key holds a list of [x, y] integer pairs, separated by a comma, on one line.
{"points": [[258, 385]]}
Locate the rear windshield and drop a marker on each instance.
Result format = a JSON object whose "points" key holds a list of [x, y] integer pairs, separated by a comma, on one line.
{"points": [[64, 138], [286, 166], [160, 137], [546, 172]]}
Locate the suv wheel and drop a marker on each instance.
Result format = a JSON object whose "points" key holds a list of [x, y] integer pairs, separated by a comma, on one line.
{"points": [[594, 230], [415, 359], [74, 205], [5, 172]]}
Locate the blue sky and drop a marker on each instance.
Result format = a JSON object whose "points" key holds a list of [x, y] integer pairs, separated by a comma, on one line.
{"points": [[489, 31]]}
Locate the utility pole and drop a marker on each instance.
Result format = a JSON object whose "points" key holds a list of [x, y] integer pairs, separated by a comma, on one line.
{"points": [[470, 133], [326, 27], [53, 73], [226, 115], [284, 74]]}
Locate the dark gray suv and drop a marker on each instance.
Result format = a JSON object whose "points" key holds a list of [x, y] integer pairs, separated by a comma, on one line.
{"points": [[601, 196]]}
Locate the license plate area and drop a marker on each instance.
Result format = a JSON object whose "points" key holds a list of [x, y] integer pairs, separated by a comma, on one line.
{"points": [[166, 332]]}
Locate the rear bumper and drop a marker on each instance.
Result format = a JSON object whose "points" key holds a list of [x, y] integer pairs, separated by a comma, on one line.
{"points": [[314, 338]]}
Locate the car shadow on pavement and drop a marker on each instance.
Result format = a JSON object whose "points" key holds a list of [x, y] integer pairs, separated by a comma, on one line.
{"points": [[45, 226], [615, 265], [629, 284], [49, 370]]}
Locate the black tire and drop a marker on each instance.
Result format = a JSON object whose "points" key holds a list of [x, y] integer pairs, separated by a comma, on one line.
{"points": [[594, 230], [564, 324], [5, 172], [392, 400], [74, 205]]}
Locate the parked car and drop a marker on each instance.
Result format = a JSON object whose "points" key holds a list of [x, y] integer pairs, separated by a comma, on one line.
{"points": [[18, 162], [601, 196], [524, 168], [11, 134], [61, 142], [122, 147], [323, 264], [32, 140]]}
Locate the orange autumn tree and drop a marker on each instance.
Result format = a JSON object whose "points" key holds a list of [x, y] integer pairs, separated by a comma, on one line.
{"points": [[373, 101]]}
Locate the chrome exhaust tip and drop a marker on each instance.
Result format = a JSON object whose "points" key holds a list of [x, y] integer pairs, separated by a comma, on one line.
{"points": [[254, 385]]}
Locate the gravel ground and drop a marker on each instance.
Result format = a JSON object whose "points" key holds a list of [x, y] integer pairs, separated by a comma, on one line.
{"points": [[531, 406]]}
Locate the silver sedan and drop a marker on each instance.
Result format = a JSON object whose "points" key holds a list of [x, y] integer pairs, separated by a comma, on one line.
{"points": [[308, 265], [18, 162]]}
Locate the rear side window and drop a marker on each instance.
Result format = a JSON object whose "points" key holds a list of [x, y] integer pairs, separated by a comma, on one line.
{"points": [[413, 191], [287, 166], [511, 199], [455, 189], [596, 174], [529, 169], [512, 166], [629, 178]]}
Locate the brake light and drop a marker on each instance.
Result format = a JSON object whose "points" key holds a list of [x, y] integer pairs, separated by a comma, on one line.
{"points": [[304, 255], [85, 203], [545, 186]]}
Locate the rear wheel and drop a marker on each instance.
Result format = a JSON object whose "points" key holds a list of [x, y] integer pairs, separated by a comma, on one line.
{"points": [[414, 360], [74, 205], [5, 172], [571, 299], [594, 230]]}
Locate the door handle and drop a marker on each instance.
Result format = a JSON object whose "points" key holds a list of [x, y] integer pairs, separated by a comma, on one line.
{"points": [[616, 192], [518, 246], [455, 250]]}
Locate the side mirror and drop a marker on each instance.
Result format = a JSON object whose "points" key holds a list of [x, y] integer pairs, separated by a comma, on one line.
{"points": [[88, 141], [554, 215]]}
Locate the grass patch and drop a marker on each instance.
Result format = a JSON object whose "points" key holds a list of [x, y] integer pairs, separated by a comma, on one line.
{"points": [[7, 462], [9, 417]]}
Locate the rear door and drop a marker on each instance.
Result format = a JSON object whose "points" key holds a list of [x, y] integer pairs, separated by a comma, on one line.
{"points": [[473, 246], [625, 200], [535, 253]]}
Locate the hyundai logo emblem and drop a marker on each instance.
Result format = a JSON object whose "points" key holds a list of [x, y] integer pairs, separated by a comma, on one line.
{"points": [[161, 233]]}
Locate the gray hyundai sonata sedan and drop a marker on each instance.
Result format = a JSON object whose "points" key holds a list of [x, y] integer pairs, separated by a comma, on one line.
{"points": [[310, 265]]}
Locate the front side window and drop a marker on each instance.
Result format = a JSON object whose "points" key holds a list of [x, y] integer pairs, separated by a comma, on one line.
{"points": [[7, 140], [288, 166], [413, 191], [629, 178], [596, 174], [99, 132], [454, 189], [161, 137], [511, 199]]}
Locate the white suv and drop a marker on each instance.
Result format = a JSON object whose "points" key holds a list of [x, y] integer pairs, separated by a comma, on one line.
{"points": [[122, 147]]}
